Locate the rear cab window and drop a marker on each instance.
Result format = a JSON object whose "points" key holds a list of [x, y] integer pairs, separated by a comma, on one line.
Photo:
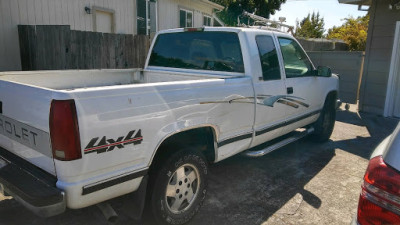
{"points": [[215, 51], [268, 57]]}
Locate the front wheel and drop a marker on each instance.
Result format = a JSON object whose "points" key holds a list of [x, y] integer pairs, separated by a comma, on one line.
{"points": [[179, 187], [323, 127]]}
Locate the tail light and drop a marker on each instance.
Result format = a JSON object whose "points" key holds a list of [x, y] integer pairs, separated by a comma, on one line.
{"points": [[380, 196], [64, 130]]}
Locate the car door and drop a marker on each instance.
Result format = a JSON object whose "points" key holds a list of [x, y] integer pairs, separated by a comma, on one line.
{"points": [[269, 90], [304, 89]]}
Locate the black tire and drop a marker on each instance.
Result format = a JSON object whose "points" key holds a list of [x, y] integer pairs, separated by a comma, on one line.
{"points": [[190, 188], [323, 127]]}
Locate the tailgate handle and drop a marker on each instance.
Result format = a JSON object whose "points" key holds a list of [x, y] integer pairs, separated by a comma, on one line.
{"points": [[289, 90]]}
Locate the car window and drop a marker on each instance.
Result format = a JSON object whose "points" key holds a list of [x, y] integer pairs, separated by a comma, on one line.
{"points": [[295, 59], [218, 51], [199, 49], [268, 57]]}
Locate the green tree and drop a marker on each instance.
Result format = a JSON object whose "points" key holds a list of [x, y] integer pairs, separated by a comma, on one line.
{"points": [[353, 32], [234, 8], [312, 26]]}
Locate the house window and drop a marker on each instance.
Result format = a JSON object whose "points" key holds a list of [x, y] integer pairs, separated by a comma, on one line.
{"points": [[146, 17], [207, 21], [185, 18]]}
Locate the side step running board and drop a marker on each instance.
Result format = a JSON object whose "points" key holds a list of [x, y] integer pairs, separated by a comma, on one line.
{"points": [[292, 138]]}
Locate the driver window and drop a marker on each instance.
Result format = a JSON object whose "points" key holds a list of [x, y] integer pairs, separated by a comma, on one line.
{"points": [[296, 61], [268, 57]]}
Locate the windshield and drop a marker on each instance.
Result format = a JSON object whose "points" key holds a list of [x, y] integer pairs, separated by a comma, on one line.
{"points": [[217, 51]]}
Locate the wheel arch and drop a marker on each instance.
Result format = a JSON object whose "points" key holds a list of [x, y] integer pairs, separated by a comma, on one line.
{"points": [[204, 137], [331, 94]]}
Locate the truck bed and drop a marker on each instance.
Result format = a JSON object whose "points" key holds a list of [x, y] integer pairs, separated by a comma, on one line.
{"points": [[77, 79], [26, 98]]}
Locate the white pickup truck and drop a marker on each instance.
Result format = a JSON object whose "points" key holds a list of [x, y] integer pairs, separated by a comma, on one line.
{"points": [[71, 139]]}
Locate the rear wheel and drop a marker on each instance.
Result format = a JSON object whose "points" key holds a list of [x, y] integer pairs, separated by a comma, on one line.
{"points": [[323, 127], [178, 187]]}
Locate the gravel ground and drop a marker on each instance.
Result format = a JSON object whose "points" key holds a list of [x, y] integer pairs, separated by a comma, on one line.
{"points": [[302, 183]]}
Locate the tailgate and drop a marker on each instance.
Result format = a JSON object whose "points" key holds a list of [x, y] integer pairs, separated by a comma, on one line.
{"points": [[24, 123]]}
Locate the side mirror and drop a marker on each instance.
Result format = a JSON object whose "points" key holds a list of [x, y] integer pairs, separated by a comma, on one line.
{"points": [[324, 71]]}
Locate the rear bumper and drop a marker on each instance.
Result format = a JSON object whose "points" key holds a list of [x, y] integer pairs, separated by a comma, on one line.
{"points": [[31, 186]]}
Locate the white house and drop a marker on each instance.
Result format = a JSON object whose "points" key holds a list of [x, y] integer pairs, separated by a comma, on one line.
{"points": [[380, 86], [108, 16]]}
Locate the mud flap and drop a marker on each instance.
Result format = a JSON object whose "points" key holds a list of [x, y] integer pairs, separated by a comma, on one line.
{"points": [[139, 199]]}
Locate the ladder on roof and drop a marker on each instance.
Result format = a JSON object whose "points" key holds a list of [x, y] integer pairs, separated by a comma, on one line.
{"points": [[266, 24]]}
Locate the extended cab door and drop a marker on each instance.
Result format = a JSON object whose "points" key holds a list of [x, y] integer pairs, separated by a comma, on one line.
{"points": [[304, 89], [269, 88]]}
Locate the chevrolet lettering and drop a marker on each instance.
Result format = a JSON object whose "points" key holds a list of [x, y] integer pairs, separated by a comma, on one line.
{"points": [[25, 134]]}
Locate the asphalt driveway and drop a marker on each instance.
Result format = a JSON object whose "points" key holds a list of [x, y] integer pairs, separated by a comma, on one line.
{"points": [[302, 183]]}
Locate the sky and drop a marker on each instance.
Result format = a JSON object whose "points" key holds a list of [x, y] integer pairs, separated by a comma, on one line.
{"points": [[330, 10]]}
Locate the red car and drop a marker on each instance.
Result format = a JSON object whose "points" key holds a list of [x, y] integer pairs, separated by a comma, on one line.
{"points": [[379, 201]]}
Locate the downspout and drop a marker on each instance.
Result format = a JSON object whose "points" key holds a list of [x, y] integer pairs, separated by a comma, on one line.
{"points": [[367, 55], [214, 14]]}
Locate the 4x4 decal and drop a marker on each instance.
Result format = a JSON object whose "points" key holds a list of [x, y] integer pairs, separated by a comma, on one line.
{"points": [[106, 145]]}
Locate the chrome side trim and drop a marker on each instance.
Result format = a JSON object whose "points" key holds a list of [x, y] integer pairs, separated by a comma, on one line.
{"points": [[280, 144], [285, 123], [112, 181], [235, 138]]}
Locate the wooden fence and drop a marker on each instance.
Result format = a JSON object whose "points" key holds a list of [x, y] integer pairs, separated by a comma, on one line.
{"points": [[56, 47], [319, 44]]}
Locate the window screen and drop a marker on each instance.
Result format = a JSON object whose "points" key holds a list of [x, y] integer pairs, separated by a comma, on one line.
{"points": [[189, 19], [141, 16], [268, 57], [185, 18], [295, 59], [145, 18], [218, 51], [206, 21], [182, 18]]}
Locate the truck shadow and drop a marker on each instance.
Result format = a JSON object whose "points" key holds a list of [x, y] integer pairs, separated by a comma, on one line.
{"points": [[251, 191], [248, 191], [13, 213], [241, 191]]}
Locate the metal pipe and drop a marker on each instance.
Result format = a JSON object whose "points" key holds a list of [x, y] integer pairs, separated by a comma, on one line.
{"points": [[108, 212], [298, 135]]}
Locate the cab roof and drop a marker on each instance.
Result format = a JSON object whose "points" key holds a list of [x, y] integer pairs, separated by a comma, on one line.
{"points": [[225, 29]]}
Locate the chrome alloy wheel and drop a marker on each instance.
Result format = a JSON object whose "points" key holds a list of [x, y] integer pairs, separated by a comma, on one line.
{"points": [[182, 188]]}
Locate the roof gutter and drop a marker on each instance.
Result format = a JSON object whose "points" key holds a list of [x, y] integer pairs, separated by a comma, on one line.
{"points": [[213, 4], [356, 2], [360, 3]]}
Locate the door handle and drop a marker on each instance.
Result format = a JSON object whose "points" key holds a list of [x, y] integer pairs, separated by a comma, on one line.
{"points": [[289, 90]]}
